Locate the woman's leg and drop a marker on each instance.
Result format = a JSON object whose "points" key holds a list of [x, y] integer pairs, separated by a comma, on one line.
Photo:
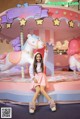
{"points": [[42, 89], [32, 105], [50, 101], [36, 93]]}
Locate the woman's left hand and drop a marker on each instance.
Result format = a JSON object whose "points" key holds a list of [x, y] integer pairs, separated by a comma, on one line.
{"points": [[35, 80]]}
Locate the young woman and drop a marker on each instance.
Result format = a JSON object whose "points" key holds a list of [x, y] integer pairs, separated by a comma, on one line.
{"points": [[39, 81]]}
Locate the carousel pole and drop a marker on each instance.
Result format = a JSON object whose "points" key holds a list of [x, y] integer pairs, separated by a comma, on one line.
{"points": [[22, 24], [22, 38]]}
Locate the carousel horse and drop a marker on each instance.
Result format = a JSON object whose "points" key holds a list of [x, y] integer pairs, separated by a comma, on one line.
{"points": [[23, 57]]}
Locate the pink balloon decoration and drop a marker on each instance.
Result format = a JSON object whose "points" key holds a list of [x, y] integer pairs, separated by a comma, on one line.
{"points": [[78, 39], [73, 47]]}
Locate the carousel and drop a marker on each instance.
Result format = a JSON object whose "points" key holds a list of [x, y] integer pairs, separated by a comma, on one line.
{"points": [[24, 30]]}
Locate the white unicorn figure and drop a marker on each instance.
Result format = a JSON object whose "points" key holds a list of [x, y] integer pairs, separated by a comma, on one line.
{"points": [[23, 57]]}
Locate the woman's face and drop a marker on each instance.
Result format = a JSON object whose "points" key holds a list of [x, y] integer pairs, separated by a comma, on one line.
{"points": [[38, 57]]}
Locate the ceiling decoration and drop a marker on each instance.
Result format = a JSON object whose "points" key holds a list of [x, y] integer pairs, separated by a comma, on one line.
{"points": [[23, 22], [56, 22], [71, 24], [39, 21], [8, 25], [22, 13]]}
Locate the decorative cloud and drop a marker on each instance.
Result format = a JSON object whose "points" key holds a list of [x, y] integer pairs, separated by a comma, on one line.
{"points": [[33, 11]]}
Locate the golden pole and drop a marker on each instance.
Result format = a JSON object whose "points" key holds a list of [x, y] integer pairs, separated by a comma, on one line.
{"points": [[22, 23], [22, 38]]}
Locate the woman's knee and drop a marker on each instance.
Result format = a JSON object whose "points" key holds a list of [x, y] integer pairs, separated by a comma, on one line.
{"points": [[42, 89], [38, 89]]}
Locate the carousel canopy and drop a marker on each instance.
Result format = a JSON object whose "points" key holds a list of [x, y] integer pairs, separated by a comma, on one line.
{"points": [[32, 17]]}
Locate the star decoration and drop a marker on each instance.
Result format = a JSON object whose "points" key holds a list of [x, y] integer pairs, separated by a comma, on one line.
{"points": [[22, 22], [8, 25], [64, 13], [56, 22], [71, 23], [39, 22]]}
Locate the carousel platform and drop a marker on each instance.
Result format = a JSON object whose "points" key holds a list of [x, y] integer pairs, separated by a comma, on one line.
{"points": [[64, 88]]}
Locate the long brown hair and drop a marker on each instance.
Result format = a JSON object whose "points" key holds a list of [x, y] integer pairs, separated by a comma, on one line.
{"points": [[35, 63]]}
